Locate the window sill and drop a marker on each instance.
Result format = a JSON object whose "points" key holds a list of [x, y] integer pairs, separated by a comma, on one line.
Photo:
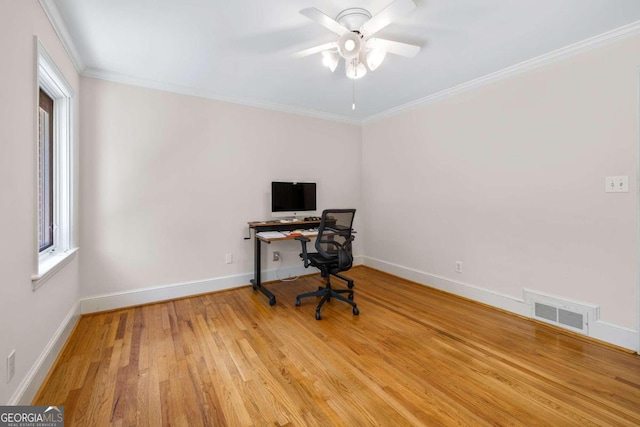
{"points": [[52, 265]]}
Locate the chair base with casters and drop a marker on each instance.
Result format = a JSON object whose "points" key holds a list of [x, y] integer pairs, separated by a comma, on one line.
{"points": [[327, 292]]}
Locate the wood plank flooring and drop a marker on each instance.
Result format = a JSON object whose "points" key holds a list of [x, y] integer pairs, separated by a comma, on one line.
{"points": [[414, 356]]}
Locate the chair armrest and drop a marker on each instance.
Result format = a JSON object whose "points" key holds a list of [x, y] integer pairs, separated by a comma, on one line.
{"points": [[303, 241]]}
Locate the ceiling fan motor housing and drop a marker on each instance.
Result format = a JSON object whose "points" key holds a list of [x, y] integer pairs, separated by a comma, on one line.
{"points": [[351, 43], [353, 18]]}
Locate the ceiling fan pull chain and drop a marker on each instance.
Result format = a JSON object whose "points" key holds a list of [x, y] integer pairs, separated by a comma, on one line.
{"points": [[353, 81]]}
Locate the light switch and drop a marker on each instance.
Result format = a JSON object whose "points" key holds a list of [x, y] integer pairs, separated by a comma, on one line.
{"points": [[617, 184]]}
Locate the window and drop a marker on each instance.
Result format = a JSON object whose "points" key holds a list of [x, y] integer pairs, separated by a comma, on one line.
{"points": [[45, 172], [54, 191]]}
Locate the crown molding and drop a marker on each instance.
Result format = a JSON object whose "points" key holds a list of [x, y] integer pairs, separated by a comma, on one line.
{"points": [[185, 90], [51, 10], [587, 45]]}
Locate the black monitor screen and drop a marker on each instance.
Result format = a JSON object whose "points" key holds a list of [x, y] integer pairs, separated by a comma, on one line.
{"points": [[293, 196]]}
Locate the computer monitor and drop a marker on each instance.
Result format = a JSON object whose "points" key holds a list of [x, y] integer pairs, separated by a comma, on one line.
{"points": [[290, 199]]}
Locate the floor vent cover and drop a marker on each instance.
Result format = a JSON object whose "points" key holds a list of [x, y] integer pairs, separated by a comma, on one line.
{"points": [[566, 314]]}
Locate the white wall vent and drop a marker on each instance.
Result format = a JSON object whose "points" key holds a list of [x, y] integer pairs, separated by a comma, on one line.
{"points": [[563, 313]]}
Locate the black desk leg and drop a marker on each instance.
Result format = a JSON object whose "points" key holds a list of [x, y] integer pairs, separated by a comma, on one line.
{"points": [[257, 284]]}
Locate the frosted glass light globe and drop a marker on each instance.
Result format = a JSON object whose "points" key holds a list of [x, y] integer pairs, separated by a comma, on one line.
{"points": [[349, 45]]}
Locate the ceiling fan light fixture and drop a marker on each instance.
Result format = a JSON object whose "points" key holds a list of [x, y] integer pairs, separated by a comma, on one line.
{"points": [[355, 69], [349, 45], [375, 57], [330, 60]]}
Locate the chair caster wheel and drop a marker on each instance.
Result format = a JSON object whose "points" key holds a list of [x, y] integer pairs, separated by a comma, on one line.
{"points": [[272, 301], [318, 315], [350, 285], [298, 302], [356, 311], [350, 296]]}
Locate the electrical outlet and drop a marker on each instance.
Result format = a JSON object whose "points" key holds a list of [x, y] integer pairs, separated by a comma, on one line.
{"points": [[276, 256], [458, 266], [228, 259], [11, 365], [617, 184]]}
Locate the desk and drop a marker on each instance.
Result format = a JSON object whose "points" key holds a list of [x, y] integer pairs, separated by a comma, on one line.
{"points": [[259, 226]]}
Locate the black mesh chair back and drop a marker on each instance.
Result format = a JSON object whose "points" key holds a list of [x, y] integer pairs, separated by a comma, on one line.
{"points": [[335, 237]]}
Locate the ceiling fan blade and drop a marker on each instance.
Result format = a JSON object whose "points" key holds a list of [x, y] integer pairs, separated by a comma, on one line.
{"points": [[322, 19], [316, 49], [397, 48], [389, 14]]}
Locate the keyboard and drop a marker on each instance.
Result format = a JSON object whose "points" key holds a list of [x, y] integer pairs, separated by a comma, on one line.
{"points": [[271, 234]]}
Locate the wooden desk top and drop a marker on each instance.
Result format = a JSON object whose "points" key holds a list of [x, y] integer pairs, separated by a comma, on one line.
{"points": [[275, 223]]}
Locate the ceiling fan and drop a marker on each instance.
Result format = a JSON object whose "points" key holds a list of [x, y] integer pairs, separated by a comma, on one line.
{"points": [[356, 44]]}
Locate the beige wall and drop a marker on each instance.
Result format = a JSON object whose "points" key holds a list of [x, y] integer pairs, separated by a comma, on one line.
{"points": [[509, 179], [28, 320], [169, 182]]}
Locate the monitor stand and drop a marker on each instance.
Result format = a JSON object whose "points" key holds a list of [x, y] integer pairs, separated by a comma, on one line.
{"points": [[290, 219]]}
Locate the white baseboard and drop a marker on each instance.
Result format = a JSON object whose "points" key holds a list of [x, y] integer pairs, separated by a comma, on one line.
{"points": [[116, 300], [33, 380], [495, 299], [603, 331], [614, 334]]}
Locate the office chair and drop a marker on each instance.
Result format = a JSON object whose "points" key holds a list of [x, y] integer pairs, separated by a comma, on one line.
{"points": [[333, 245]]}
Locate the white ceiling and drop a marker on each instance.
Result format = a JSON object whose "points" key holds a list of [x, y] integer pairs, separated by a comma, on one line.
{"points": [[241, 50]]}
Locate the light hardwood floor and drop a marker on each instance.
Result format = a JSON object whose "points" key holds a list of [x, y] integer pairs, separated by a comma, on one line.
{"points": [[414, 356]]}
